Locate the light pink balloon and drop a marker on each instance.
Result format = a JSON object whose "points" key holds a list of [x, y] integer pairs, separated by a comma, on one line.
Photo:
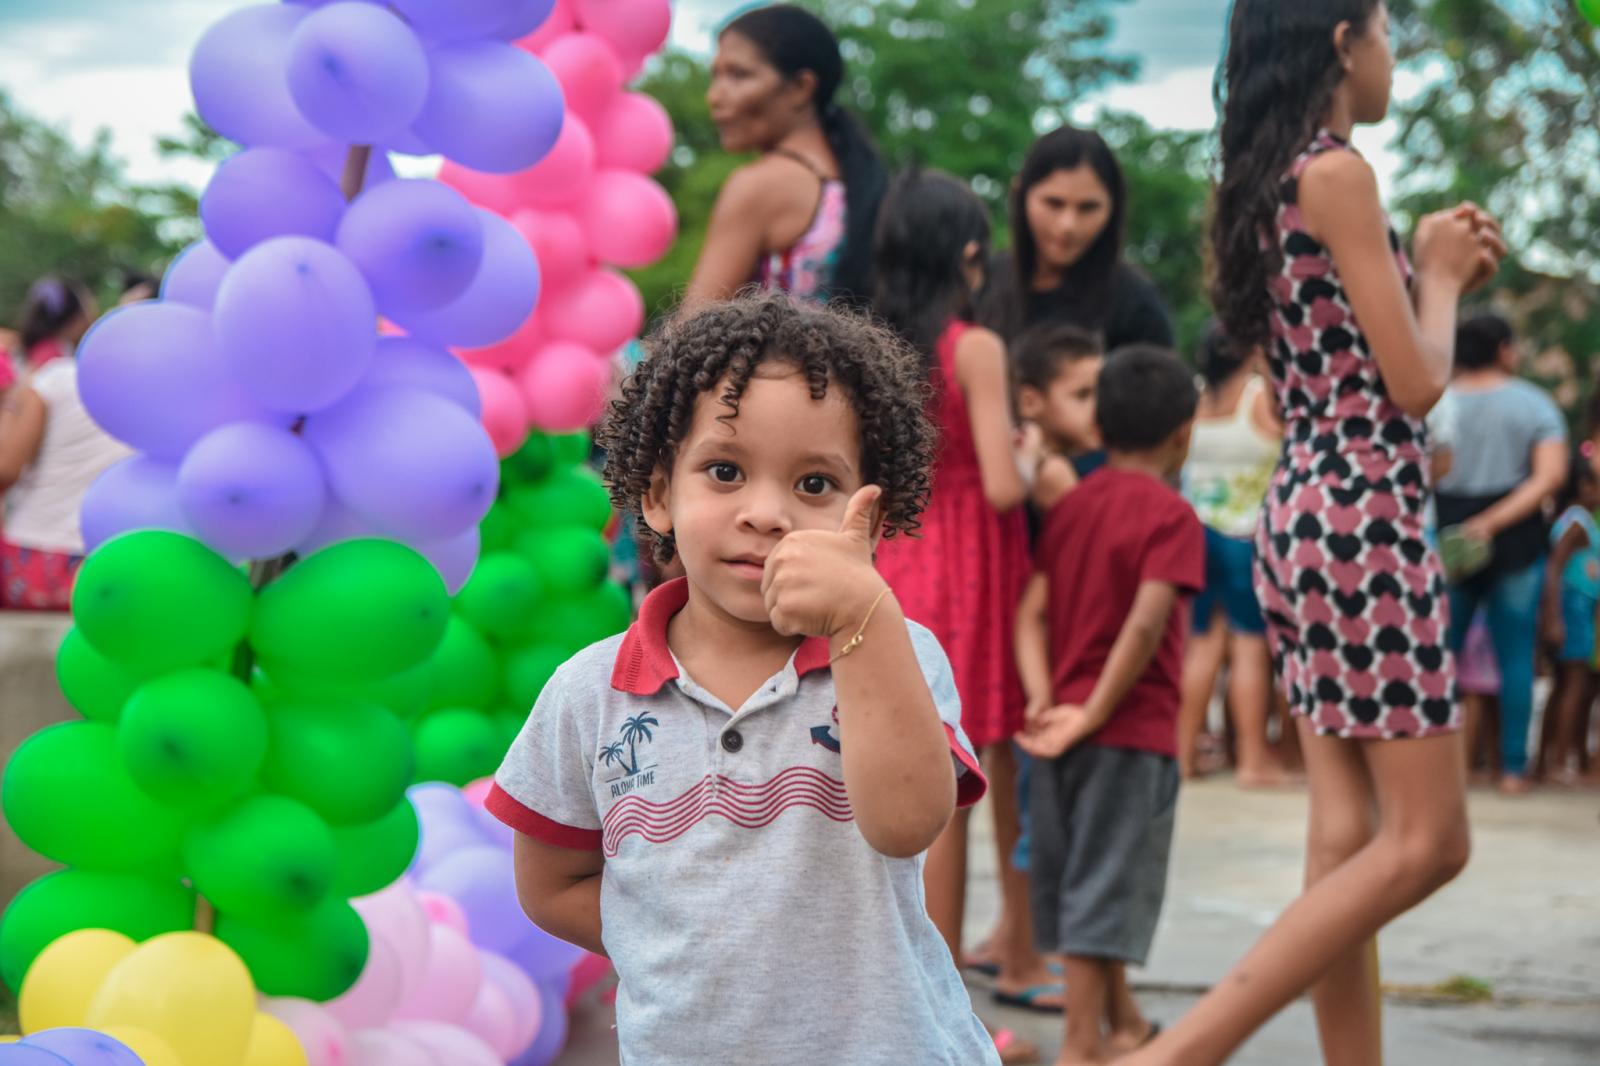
{"points": [[588, 70], [527, 1005], [590, 971], [558, 24], [505, 417], [395, 916], [635, 28], [565, 387], [601, 311], [450, 981], [635, 133], [491, 1020], [449, 1043], [325, 1041], [379, 1047], [477, 792], [376, 993], [442, 910], [511, 353], [628, 218], [560, 177], [497, 192], [558, 242]]}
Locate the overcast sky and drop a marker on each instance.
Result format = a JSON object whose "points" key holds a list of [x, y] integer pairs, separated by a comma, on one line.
{"points": [[120, 64]]}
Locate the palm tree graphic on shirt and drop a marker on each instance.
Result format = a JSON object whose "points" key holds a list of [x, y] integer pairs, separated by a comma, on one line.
{"points": [[611, 752], [634, 730]]}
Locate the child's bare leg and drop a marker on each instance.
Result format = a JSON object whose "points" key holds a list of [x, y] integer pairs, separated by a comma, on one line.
{"points": [[1421, 843], [1087, 1007], [1249, 696], [1126, 1022], [944, 878], [1021, 965], [1202, 659]]}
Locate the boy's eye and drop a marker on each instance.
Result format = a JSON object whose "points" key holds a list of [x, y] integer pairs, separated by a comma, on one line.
{"points": [[723, 473], [815, 484]]}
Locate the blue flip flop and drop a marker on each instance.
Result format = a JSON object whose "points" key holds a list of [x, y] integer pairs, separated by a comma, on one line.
{"points": [[1028, 998]]}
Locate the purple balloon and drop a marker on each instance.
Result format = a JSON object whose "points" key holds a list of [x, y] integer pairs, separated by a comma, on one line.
{"points": [[152, 375], [418, 243], [414, 464], [237, 73], [330, 159], [455, 558], [140, 492], [269, 192], [546, 958], [251, 491], [193, 277], [526, 16], [502, 295], [408, 361], [446, 822], [481, 881], [491, 106], [84, 1047], [357, 72], [297, 323], [26, 1055], [454, 20], [336, 524], [551, 1038]]}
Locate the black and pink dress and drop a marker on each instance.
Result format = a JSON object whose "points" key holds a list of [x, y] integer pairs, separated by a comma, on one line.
{"points": [[1353, 594]]}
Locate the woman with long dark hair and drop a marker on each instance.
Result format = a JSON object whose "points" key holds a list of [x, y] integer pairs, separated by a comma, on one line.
{"points": [[1068, 215], [963, 576], [800, 217], [1360, 350]]}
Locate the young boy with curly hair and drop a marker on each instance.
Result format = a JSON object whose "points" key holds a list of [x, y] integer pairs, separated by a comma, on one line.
{"points": [[732, 799]]}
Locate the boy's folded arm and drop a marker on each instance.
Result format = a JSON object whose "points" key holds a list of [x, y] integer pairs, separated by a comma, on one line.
{"points": [[1135, 646], [559, 889]]}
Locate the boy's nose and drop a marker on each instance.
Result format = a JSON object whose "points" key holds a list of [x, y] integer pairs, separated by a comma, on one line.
{"points": [[764, 509]]}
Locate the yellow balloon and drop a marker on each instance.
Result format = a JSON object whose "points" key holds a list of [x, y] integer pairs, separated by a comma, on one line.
{"points": [[273, 1044], [147, 1045], [187, 988], [58, 987], [9, 1039]]}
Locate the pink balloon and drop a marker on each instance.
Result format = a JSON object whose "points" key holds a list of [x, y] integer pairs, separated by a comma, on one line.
{"points": [[561, 175], [497, 192], [588, 70], [379, 1047], [601, 311], [442, 910], [635, 133], [628, 218], [325, 1041], [491, 1020], [590, 971], [450, 981], [558, 24], [449, 1043], [511, 353], [635, 28], [476, 792], [505, 417], [396, 917], [558, 243], [565, 387], [527, 1004], [372, 999]]}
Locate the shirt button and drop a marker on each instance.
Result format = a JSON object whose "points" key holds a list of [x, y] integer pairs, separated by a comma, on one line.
{"points": [[732, 741]]}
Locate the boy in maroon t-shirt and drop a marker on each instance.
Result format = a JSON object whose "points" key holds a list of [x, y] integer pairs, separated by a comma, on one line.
{"points": [[1100, 649]]}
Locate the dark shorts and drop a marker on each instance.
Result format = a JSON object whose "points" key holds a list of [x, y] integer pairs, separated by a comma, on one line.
{"points": [[1230, 586], [1102, 834]]}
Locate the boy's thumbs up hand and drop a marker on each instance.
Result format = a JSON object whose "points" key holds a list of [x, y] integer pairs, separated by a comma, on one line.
{"points": [[818, 583]]}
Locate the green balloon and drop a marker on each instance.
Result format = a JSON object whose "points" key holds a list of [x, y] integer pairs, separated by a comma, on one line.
{"points": [[527, 670], [153, 601], [67, 900], [498, 528], [268, 857], [508, 724], [567, 559], [575, 622], [349, 762], [359, 611], [374, 855], [194, 739], [466, 672], [93, 684], [68, 797], [458, 746], [406, 693], [573, 496], [500, 596], [570, 449], [531, 462], [1590, 9], [315, 956]]}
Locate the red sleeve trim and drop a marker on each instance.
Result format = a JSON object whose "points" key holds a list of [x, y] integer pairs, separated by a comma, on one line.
{"points": [[972, 785], [530, 822]]}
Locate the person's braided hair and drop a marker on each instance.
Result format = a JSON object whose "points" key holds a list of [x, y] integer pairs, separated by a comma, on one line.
{"points": [[721, 346]]}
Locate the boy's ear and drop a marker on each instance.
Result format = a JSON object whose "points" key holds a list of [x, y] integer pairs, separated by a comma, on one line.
{"points": [[656, 503], [1030, 403]]}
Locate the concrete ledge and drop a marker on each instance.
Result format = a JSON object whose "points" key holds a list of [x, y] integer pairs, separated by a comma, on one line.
{"points": [[29, 701]]}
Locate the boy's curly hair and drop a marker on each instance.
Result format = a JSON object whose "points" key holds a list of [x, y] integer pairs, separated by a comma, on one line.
{"points": [[882, 379]]}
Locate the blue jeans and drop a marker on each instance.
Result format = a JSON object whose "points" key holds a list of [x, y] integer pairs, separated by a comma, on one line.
{"points": [[1511, 602]]}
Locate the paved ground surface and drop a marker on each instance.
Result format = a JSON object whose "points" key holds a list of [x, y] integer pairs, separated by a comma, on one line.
{"points": [[1524, 919]]}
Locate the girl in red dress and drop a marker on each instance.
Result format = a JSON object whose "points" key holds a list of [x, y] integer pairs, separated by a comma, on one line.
{"points": [[963, 575]]}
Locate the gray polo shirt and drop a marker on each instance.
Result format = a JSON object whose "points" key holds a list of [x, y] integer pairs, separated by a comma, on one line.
{"points": [[748, 919]]}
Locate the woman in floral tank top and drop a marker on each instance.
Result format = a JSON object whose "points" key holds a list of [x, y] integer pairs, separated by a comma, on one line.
{"points": [[1360, 350]]}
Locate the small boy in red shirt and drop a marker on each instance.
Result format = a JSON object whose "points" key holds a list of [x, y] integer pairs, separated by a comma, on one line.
{"points": [[1100, 649]]}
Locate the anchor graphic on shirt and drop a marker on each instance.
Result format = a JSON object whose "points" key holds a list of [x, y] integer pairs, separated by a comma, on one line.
{"points": [[823, 734]]}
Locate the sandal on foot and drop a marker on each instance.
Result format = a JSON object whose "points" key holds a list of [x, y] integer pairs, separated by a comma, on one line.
{"points": [[1029, 998], [1013, 1050]]}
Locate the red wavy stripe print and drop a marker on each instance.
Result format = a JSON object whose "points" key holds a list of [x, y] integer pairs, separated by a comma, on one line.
{"points": [[747, 806]]}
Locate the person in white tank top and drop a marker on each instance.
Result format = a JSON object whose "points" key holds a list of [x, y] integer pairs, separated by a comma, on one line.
{"points": [[1231, 458]]}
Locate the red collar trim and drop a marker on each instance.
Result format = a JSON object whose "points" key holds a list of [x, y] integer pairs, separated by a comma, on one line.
{"points": [[644, 662]]}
